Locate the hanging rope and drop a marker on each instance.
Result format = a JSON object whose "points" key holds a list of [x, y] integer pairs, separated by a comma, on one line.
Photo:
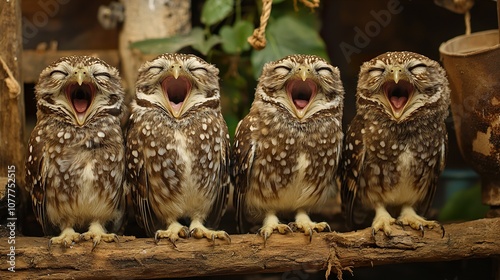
{"points": [[258, 38], [467, 23], [312, 4], [11, 82]]}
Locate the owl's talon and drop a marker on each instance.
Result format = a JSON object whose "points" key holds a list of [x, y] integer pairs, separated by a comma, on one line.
{"points": [[266, 236], [184, 232], [228, 238], [156, 238], [173, 242], [50, 244], [328, 227], [310, 235], [421, 228], [442, 229], [399, 223], [94, 245]]}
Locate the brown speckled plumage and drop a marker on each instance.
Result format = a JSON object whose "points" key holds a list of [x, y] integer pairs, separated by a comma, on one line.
{"points": [[178, 148], [287, 148], [75, 161], [395, 146]]}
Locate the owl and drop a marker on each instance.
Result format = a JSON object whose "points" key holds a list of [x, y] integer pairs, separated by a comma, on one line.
{"points": [[286, 150], [396, 145], [177, 149], [75, 166]]}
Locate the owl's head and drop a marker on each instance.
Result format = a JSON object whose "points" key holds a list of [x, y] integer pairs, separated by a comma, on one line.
{"points": [[178, 83], [76, 89], [402, 83], [302, 85]]}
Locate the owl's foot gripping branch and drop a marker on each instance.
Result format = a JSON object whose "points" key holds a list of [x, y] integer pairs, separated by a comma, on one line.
{"points": [[330, 252]]}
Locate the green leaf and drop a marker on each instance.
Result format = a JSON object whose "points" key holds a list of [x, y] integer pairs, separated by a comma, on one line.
{"points": [[464, 205], [170, 44], [195, 39], [214, 11], [285, 36], [234, 38], [205, 46]]}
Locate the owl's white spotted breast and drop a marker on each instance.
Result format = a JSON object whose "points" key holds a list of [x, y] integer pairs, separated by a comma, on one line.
{"points": [[182, 159], [294, 162], [83, 171]]}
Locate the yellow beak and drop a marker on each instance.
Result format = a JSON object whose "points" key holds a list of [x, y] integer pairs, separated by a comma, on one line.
{"points": [[304, 72], [176, 70], [397, 72]]}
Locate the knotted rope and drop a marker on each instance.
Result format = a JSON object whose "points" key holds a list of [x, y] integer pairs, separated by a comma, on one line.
{"points": [[258, 38]]}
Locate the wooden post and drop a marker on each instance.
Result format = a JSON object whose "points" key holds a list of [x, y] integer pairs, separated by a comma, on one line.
{"points": [[12, 119], [147, 20]]}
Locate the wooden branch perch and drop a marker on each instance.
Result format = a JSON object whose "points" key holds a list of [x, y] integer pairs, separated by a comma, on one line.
{"points": [[141, 258]]}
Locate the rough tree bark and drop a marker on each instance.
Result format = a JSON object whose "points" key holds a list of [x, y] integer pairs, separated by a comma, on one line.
{"points": [[147, 20], [334, 252], [12, 120]]}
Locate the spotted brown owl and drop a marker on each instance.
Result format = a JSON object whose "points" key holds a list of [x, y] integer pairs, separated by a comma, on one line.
{"points": [[75, 163], [287, 148], [178, 149], [396, 144]]}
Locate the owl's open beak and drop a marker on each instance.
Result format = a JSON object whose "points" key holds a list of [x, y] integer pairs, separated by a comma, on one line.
{"points": [[398, 95], [176, 90], [301, 93], [80, 95]]}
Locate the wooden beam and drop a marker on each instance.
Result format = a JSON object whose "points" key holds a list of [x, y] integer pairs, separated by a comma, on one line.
{"points": [[35, 61], [12, 120], [335, 252]]}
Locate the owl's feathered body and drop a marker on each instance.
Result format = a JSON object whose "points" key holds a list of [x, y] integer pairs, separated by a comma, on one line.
{"points": [[396, 144], [75, 164], [178, 148], [287, 148]]}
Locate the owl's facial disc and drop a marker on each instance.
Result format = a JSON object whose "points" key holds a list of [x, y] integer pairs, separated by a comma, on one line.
{"points": [[80, 97], [301, 93], [398, 95], [176, 91]]}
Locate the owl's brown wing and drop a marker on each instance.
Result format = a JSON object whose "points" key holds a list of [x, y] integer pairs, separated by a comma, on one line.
{"points": [[243, 156], [223, 183], [424, 206], [36, 180], [353, 158], [139, 182]]}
